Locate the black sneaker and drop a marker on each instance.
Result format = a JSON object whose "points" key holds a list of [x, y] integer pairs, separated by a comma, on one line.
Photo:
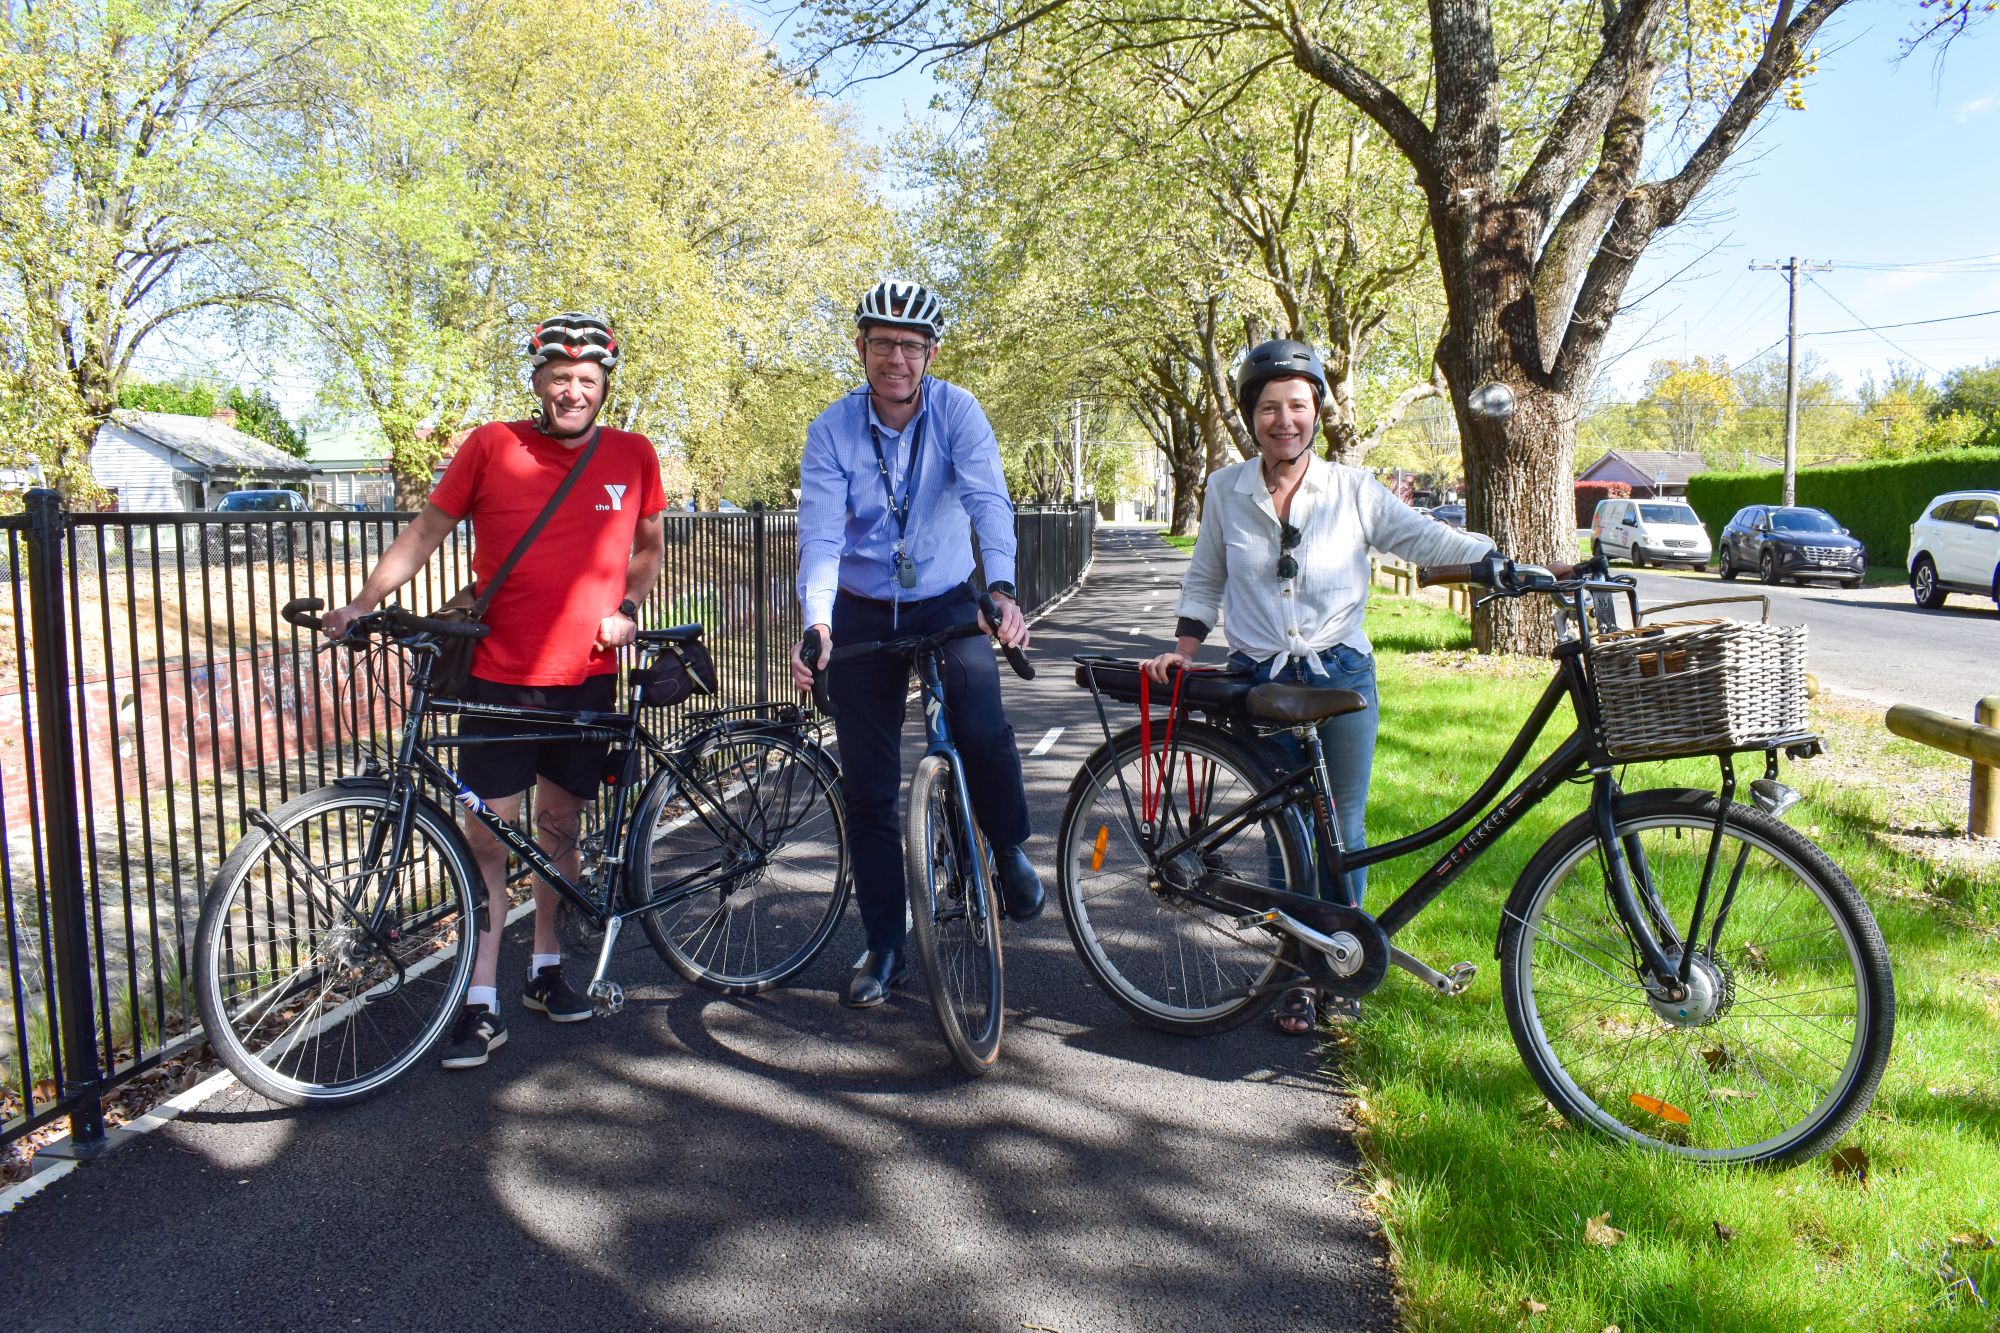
{"points": [[548, 993], [476, 1033]]}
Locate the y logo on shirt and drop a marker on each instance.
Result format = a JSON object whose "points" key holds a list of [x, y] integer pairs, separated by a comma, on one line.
{"points": [[617, 494]]}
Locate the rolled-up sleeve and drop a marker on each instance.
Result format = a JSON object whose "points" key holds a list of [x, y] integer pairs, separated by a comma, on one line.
{"points": [[1201, 586], [982, 489], [822, 519]]}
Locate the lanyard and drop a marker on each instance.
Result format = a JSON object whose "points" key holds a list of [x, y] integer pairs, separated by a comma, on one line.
{"points": [[900, 511]]}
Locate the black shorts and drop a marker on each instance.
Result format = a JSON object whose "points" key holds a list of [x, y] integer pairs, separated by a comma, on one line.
{"points": [[509, 768]]}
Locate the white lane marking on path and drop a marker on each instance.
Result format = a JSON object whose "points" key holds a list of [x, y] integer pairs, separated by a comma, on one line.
{"points": [[1136, 629], [1046, 743]]}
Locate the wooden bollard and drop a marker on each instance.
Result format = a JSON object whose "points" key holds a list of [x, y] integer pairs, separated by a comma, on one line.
{"points": [[1983, 820], [1978, 740]]}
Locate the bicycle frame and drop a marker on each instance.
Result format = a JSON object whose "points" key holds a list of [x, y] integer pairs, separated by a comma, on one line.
{"points": [[1580, 754], [937, 741]]}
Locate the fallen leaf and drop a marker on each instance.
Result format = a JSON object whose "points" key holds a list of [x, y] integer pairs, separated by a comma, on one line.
{"points": [[1850, 1161], [1599, 1231], [1973, 1240], [1724, 1233], [1756, 954], [1729, 1094], [1383, 1189], [1529, 1305], [1610, 1328], [1716, 1057]]}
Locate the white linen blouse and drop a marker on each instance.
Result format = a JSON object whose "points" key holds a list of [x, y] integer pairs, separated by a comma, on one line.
{"points": [[1340, 513]]}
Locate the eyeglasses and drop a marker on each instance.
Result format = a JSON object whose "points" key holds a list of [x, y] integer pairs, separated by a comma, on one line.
{"points": [[911, 348], [1288, 537]]}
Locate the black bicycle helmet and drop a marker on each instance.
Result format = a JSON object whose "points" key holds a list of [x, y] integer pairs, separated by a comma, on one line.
{"points": [[1275, 359], [902, 305], [573, 337]]}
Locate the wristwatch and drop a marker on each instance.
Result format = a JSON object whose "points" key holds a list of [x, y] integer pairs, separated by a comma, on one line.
{"points": [[629, 609], [1002, 588]]}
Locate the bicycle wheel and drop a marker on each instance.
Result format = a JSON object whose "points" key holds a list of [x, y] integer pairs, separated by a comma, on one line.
{"points": [[954, 922], [323, 970], [752, 844], [1778, 1049], [1172, 962]]}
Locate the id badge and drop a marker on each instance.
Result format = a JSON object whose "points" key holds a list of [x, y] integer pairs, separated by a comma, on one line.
{"points": [[906, 571]]}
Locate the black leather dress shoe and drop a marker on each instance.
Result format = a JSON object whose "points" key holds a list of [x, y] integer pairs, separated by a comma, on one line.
{"points": [[1020, 887], [878, 974]]}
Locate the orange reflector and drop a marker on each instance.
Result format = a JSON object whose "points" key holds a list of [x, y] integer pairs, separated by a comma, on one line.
{"points": [[1097, 851], [1664, 1110]]}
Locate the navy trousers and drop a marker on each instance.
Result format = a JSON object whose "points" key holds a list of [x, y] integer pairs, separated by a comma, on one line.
{"points": [[870, 701]]}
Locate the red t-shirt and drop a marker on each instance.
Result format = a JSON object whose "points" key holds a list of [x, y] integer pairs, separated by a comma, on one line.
{"points": [[546, 615]]}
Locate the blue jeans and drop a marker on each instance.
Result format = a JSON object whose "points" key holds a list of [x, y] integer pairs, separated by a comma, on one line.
{"points": [[1349, 743]]}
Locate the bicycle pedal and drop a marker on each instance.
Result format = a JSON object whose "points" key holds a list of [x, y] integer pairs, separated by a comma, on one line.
{"points": [[1458, 978], [606, 997], [1256, 919]]}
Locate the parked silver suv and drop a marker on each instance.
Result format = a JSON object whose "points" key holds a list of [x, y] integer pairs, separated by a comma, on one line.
{"points": [[1955, 547]]}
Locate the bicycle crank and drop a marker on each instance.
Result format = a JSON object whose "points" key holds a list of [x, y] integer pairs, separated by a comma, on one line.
{"points": [[1345, 951]]}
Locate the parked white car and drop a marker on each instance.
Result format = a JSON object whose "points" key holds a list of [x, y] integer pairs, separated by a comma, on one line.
{"points": [[1655, 532], [1955, 547]]}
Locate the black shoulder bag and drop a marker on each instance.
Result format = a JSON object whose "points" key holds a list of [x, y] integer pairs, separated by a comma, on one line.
{"points": [[452, 676]]}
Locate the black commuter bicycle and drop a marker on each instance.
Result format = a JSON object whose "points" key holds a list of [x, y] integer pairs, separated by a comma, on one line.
{"points": [[955, 910], [337, 941], [1680, 970]]}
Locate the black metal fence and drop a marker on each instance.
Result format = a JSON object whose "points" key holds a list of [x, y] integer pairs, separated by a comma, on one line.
{"points": [[153, 694]]}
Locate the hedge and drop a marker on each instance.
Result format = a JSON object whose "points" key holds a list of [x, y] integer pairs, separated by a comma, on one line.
{"points": [[1588, 493], [1875, 501]]}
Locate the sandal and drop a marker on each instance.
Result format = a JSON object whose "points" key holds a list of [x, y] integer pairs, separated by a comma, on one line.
{"points": [[1298, 1011]]}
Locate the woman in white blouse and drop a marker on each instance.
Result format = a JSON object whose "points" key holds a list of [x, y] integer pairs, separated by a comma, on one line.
{"points": [[1282, 563]]}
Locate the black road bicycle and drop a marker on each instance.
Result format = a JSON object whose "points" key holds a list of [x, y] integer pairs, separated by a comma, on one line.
{"points": [[1680, 970], [955, 906], [337, 940]]}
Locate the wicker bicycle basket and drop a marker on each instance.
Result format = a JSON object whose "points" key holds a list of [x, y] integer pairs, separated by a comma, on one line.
{"points": [[1678, 688]]}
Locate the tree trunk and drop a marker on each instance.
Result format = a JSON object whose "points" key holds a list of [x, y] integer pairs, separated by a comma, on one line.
{"points": [[410, 465], [1517, 482]]}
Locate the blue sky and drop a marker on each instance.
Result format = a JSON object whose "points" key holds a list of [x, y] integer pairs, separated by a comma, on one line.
{"points": [[1890, 164]]}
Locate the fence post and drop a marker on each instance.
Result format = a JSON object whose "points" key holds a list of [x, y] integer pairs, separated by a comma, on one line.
{"points": [[760, 615], [1983, 820], [69, 921]]}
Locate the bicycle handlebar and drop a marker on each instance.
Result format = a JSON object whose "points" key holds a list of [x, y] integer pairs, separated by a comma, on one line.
{"points": [[1508, 579], [391, 622], [810, 651]]}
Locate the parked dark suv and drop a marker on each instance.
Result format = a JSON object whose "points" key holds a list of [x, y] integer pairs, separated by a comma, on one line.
{"points": [[1782, 542]]}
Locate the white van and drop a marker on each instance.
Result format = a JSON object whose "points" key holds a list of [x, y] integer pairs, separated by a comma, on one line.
{"points": [[1649, 532]]}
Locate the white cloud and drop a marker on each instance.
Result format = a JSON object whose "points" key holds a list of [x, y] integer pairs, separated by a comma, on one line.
{"points": [[1979, 106]]}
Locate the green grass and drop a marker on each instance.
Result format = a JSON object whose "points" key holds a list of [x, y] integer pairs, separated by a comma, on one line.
{"points": [[1178, 541], [1485, 1191]]}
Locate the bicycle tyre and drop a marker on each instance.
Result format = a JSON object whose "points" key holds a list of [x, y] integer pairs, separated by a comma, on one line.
{"points": [[767, 907], [1172, 964], [954, 920], [1796, 923], [268, 999]]}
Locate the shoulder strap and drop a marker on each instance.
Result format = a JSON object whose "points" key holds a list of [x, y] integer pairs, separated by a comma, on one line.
{"points": [[485, 598]]}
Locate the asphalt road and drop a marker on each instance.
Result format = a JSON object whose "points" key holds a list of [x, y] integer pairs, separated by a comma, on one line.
{"points": [[778, 1163], [1873, 644]]}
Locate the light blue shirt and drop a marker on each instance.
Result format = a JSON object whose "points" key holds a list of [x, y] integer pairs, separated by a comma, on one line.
{"points": [[847, 532]]}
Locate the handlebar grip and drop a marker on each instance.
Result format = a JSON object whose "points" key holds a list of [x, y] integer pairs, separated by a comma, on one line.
{"points": [[1015, 657], [810, 649], [295, 611], [1019, 661], [447, 629], [1432, 575]]}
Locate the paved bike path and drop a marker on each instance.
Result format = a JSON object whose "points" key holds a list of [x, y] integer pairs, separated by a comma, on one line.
{"points": [[773, 1163]]}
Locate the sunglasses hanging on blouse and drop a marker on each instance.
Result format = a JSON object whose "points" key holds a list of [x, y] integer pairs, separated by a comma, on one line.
{"points": [[1288, 537]]}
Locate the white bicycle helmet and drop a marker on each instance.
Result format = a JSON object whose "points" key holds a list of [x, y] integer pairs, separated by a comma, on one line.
{"points": [[573, 337], [903, 305]]}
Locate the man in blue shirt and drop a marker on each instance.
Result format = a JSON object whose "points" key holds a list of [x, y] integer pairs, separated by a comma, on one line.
{"points": [[895, 476]]}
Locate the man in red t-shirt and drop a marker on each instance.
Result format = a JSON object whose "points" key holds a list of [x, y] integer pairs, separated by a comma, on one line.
{"points": [[557, 622]]}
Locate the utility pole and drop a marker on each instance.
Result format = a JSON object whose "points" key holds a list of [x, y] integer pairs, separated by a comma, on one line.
{"points": [[1792, 271], [1076, 447]]}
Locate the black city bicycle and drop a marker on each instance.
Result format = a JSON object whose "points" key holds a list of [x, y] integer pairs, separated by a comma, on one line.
{"points": [[955, 910], [1680, 970], [337, 941]]}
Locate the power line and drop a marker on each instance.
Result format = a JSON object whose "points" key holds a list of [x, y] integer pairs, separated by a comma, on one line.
{"points": [[1869, 328], [1906, 324], [1969, 264]]}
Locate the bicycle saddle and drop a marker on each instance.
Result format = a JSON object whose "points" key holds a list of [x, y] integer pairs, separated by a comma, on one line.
{"points": [[1296, 705], [672, 634]]}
